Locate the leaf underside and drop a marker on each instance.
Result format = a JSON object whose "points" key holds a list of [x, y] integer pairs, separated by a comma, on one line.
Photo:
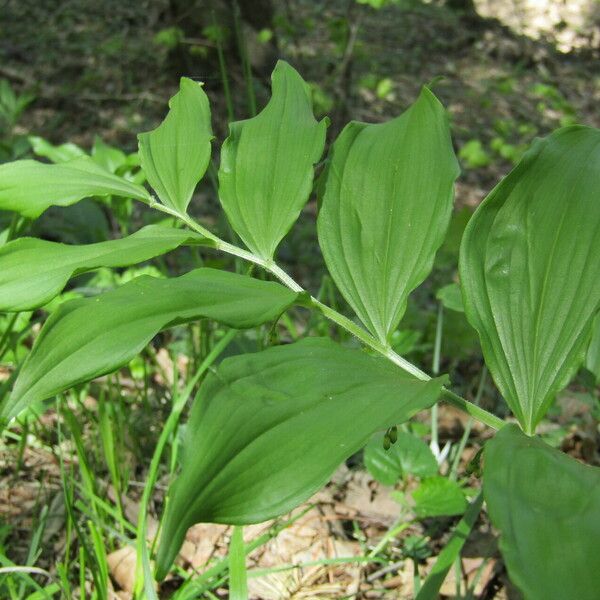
{"points": [[176, 154], [592, 359]]}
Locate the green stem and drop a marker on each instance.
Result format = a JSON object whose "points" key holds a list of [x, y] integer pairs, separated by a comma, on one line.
{"points": [[467, 431], [356, 330], [475, 411], [435, 369], [223, 69]]}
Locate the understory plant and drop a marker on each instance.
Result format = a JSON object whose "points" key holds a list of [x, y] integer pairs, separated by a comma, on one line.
{"points": [[267, 429]]}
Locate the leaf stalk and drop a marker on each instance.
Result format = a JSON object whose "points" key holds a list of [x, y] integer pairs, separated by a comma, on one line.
{"points": [[333, 315]]}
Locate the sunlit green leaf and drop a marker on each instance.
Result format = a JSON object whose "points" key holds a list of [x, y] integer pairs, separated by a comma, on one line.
{"points": [[439, 497], [175, 155], [530, 269], [87, 338], [547, 508], [30, 187], [407, 455], [33, 271], [57, 154], [267, 430], [109, 157], [266, 172], [386, 205]]}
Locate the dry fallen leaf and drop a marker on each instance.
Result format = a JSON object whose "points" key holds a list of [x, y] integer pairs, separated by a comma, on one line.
{"points": [[121, 565]]}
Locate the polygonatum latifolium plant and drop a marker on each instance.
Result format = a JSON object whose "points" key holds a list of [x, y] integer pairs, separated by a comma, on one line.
{"points": [[267, 429]]}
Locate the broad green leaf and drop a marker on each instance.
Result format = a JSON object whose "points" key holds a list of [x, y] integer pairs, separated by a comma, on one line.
{"points": [[439, 497], [267, 430], [33, 271], [451, 297], [408, 455], [386, 205], [592, 360], [30, 187], [266, 172], [89, 337], [56, 154], [175, 155], [530, 269], [547, 508]]}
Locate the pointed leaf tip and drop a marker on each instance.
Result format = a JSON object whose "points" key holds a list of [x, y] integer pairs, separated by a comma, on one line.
{"points": [[267, 164], [530, 269], [176, 154], [385, 207], [89, 337]]}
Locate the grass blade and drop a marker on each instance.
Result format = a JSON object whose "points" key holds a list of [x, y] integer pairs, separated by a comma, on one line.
{"points": [[238, 580], [448, 555]]}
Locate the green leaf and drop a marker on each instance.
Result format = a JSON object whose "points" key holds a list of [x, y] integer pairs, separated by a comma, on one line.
{"points": [[386, 205], [112, 159], [30, 187], [267, 430], [176, 154], [409, 454], [439, 497], [451, 297], [89, 337], [33, 271], [56, 154], [547, 508], [530, 269], [266, 172], [592, 360]]}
